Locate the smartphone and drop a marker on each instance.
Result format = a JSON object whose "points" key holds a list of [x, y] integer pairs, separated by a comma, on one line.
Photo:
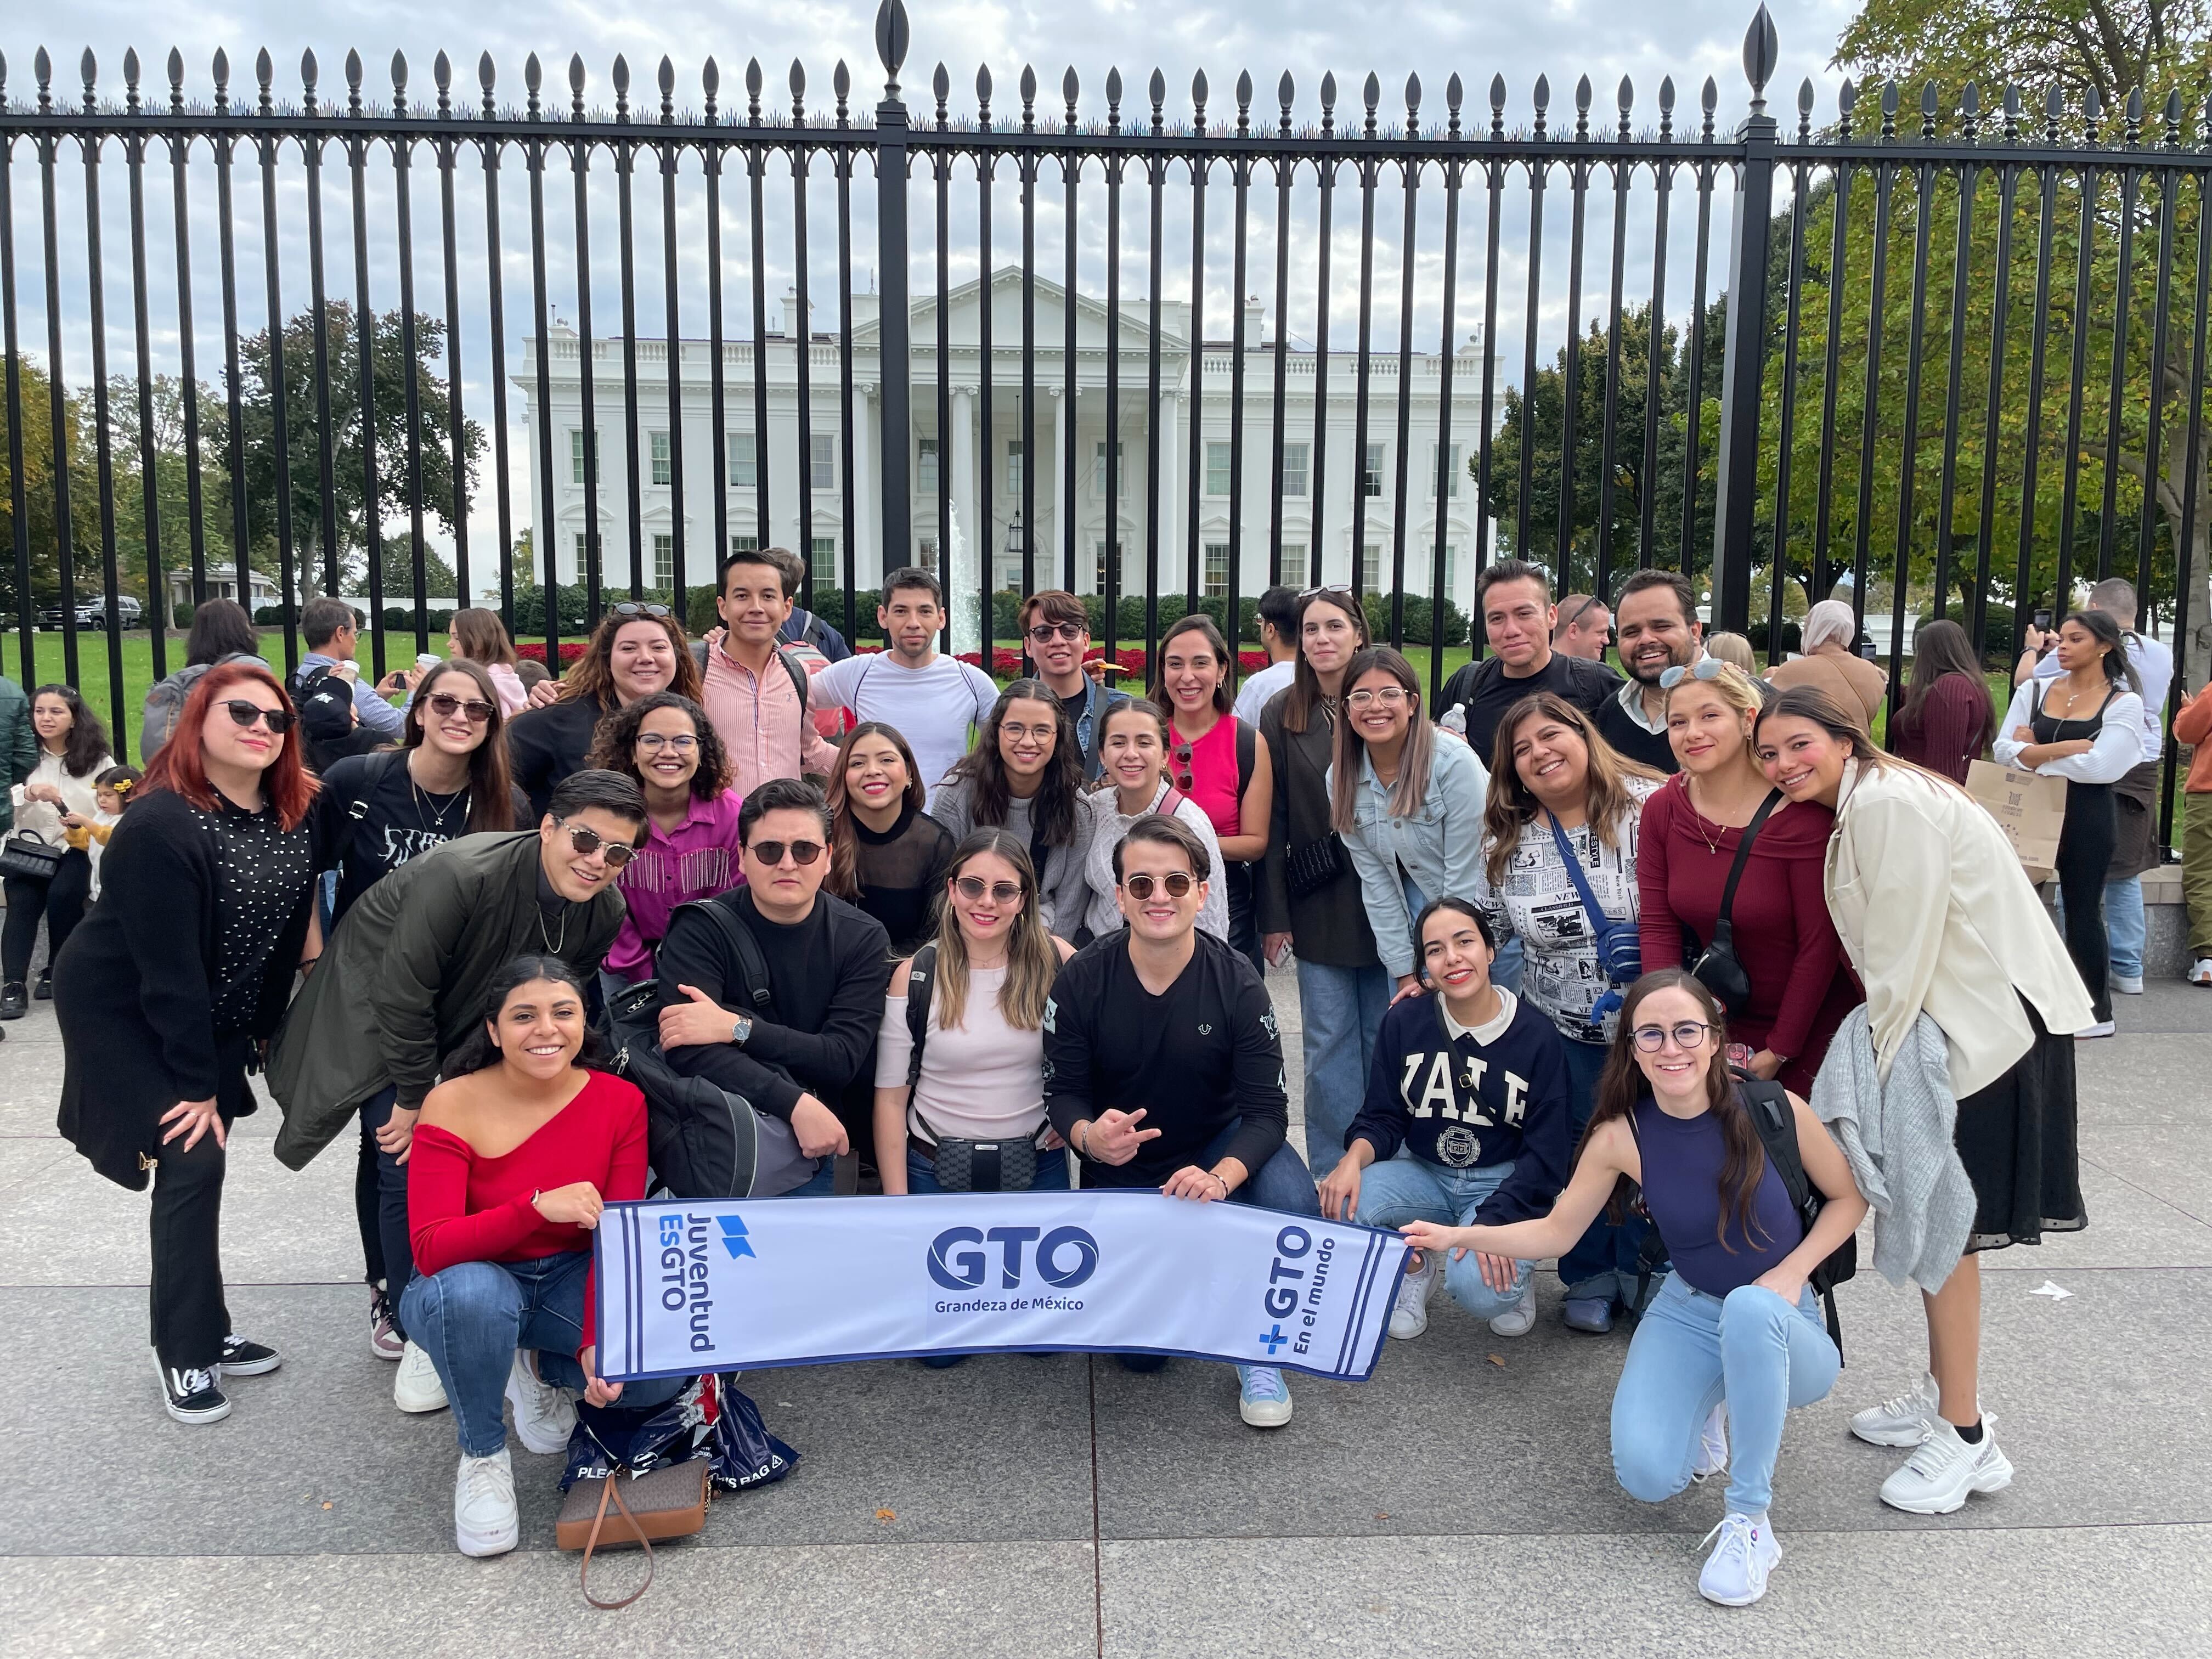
{"points": [[2043, 620]]}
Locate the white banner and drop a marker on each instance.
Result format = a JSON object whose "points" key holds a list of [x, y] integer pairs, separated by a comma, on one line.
{"points": [[740, 1284]]}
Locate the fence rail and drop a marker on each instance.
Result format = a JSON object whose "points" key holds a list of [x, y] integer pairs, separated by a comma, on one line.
{"points": [[1961, 356]]}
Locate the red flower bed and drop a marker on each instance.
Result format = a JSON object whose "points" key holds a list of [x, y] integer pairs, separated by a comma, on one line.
{"points": [[571, 651], [1006, 662]]}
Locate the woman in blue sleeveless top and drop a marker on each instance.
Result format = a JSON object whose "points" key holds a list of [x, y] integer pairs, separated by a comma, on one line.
{"points": [[1734, 1326]]}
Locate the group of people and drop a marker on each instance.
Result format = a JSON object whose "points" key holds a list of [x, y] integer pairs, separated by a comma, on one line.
{"points": [[1573, 934]]}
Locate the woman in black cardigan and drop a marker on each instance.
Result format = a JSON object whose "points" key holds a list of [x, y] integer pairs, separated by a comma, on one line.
{"points": [[158, 1036]]}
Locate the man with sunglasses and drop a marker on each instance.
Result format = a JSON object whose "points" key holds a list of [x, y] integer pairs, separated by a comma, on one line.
{"points": [[1056, 634], [403, 980], [1659, 630], [1162, 1064], [796, 1054]]}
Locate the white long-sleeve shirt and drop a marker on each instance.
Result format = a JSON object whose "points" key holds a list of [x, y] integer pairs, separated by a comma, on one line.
{"points": [[2118, 746]]}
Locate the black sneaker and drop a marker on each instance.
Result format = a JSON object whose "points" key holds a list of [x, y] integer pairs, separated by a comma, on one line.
{"points": [[192, 1395], [243, 1358], [44, 990], [15, 1000]]}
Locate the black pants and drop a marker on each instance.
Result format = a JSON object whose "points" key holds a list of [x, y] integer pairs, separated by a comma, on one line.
{"points": [[61, 902], [1244, 912], [380, 1197], [2085, 848], [190, 1317]]}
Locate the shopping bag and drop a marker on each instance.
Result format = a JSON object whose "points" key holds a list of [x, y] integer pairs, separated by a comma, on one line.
{"points": [[2030, 807]]}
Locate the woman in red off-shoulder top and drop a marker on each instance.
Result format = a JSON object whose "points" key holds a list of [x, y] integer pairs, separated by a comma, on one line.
{"points": [[515, 1155]]}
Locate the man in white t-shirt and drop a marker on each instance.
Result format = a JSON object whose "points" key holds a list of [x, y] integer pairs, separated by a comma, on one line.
{"points": [[935, 701], [1279, 634]]}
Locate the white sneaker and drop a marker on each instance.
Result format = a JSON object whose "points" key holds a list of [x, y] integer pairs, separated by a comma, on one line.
{"points": [[1735, 1572], [545, 1416], [2103, 1027], [416, 1387], [1903, 1421], [484, 1518], [1712, 1446], [2200, 972], [1410, 1317], [1938, 1476], [1519, 1319], [1263, 1399], [2128, 985]]}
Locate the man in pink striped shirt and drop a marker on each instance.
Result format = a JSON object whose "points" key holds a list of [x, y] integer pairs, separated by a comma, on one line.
{"points": [[752, 688]]}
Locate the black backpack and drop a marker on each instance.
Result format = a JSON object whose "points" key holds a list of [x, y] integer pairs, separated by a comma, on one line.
{"points": [[324, 698], [920, 991], [702, 1141]]}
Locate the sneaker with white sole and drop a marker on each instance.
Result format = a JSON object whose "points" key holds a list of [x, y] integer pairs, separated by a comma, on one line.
{"points": [[1941, 1473], [545, 1416], [2103, 1027], [416, 1387], [384, 1339], [484, 1518], [1902, 1421], [2128, 985], [192, 1395], [1263, 1399], [1712, 1446], [2200, 971], [1735, 1572], [1519, 1319], [243, 1358], [1410, 1317]]}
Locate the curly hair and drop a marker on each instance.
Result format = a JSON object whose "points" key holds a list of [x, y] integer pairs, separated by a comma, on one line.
{"points": [[614, 744], [86, 746]]}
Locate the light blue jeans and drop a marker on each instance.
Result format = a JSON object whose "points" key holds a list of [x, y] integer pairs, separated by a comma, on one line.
{"points": [[1341, 1009], [1691, 1352], [2126, 930], [1408, 1187]]}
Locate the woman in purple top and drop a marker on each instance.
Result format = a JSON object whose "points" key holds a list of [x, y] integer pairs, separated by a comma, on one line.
{"points": [[668, 745], [1734, 1328]]}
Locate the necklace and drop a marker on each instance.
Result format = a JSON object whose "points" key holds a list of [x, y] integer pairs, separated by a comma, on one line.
{"points": [[1698, 818], [436, 821], [553, 946]]}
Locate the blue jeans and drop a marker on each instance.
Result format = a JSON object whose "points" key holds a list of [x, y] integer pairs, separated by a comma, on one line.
{"points": [[822, 1183], [1693, 1351], [1051, 1172], [470, 1318], [380, 1204], [1505, 966], [1603, 1264], [1340, 1009], [1405, 1189]]}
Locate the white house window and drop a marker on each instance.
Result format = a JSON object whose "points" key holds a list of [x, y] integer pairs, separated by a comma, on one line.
{"points": [[663, 560], [821, 460], [1370, 561], [743, 473], [1217, 569], [925, 549], [925, 466], [1014, 462], [576, 455], [664, 469], [583, 552], [1121, 472], [824, 560], [745, 543], [1294, 473], [1451, 468], [1099, 548], [1294, 564], [1217, 470], [1371, 476]]}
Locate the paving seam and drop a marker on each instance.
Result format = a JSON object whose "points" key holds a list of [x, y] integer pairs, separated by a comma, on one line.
{"points": [[2145, 1191]]}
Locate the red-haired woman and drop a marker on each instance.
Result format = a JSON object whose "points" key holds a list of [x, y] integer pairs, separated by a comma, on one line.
{"points": [[167, 990]]}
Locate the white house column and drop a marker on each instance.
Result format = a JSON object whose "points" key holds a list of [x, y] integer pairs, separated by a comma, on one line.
{"points": [[1063, 412], [866, 483], [1171, 559], [962, 459]]}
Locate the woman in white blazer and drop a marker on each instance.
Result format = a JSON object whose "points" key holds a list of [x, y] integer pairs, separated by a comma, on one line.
{"points": [[1938, 918]]}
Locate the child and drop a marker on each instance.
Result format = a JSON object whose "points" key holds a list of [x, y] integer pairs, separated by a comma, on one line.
{"points": [[111, 793]]}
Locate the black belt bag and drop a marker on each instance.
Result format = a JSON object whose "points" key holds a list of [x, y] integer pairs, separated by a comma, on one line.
{"points": [[982, 1166]]}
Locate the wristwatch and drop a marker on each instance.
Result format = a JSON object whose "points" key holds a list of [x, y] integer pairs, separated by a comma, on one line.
{"points": [[741, 1027]]}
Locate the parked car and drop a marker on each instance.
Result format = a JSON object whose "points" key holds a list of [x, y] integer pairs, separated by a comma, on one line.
{"points": [[93, 613]]}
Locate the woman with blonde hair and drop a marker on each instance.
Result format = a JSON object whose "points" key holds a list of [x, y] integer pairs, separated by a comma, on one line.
{"points": [[477, 636], [1734, 649]]}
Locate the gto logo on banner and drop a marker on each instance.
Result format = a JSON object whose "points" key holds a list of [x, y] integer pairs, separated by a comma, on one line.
{"points": [[730, 1285]]}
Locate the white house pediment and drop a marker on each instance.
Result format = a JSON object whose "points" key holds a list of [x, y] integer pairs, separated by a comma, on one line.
{"points": [[964, 311]]}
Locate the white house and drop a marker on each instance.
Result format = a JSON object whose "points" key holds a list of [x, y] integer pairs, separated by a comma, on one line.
{"points": [[990, 463]]}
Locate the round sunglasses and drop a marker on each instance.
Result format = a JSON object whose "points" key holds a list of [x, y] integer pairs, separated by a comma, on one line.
{"points": [[771, 852], [587, 842], [1140, 887]]}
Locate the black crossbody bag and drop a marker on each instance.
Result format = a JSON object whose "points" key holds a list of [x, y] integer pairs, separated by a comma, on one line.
{"points": [[1716, 967]]}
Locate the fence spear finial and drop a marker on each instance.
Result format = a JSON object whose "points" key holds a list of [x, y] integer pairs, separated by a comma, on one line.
{"points": [[1762, 51], [892, 35]]}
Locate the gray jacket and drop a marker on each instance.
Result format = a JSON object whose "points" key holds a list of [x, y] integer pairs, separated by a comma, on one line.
{"points": [[1897, 1136], [1062, 893]]}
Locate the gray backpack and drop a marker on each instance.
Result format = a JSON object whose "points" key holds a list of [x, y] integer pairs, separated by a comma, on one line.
{"points": [[167, 700]]}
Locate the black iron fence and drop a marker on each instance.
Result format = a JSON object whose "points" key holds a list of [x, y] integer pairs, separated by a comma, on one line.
{"points": [[1950, 352]]}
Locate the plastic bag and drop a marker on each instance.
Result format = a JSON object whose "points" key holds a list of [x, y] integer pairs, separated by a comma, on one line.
{"points": [[711, 1417]]}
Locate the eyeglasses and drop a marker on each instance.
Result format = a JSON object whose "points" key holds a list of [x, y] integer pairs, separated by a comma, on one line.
{"points": [[1686, 1033], [653, 742], [632, 608], [243, 712], [1140, 887], [973, 887], [1705, 668], [444, 705], [588, 841], [1390, 696], [771, 852], [1046, 632]]}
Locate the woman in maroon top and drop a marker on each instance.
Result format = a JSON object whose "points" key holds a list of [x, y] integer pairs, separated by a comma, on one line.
{"points": [[1218, 761], [515, 1155], [1800, 988], [1947, 718]]}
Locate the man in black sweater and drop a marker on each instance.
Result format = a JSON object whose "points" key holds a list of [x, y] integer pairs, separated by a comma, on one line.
{"points": [[1514, 600], [1659, 630], [1162, 1065], [828, 965]]}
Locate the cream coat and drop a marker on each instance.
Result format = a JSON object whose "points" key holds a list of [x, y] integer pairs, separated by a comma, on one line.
{"points": [[1937, 916]]}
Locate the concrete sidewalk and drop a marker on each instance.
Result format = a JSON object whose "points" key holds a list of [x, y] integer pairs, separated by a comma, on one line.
{"points": [[1461, 1502]]}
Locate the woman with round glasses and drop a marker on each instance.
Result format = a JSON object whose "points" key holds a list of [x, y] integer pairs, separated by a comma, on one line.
{"points": [[667, 746], [172, 983], [1409, 808], [1779, 927], [1733, 1339], [1024, 776], [1218, 761], [637, 649], [1133, 746]]}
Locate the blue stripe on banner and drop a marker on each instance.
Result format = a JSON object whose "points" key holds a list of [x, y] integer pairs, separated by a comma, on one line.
{"points": [[1362, 1289], [634, 1314], [1386, 1283]]}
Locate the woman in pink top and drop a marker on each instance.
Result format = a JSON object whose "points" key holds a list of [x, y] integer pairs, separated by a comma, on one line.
{"points": [[666, 744], [477, 636], [1218, 761]]}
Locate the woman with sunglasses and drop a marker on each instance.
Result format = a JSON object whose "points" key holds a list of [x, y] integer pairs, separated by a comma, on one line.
{"points": [[637, 649], [1216, 759], [174, 980], [1409, 808], [1133, 746], [887, 854], [1780, 931], [72, 752], [1024, 776], [1735, 1329], [667, 746]]}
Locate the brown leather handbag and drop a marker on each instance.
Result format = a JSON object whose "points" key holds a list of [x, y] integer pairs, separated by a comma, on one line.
{"points": [[668, 1502]]}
